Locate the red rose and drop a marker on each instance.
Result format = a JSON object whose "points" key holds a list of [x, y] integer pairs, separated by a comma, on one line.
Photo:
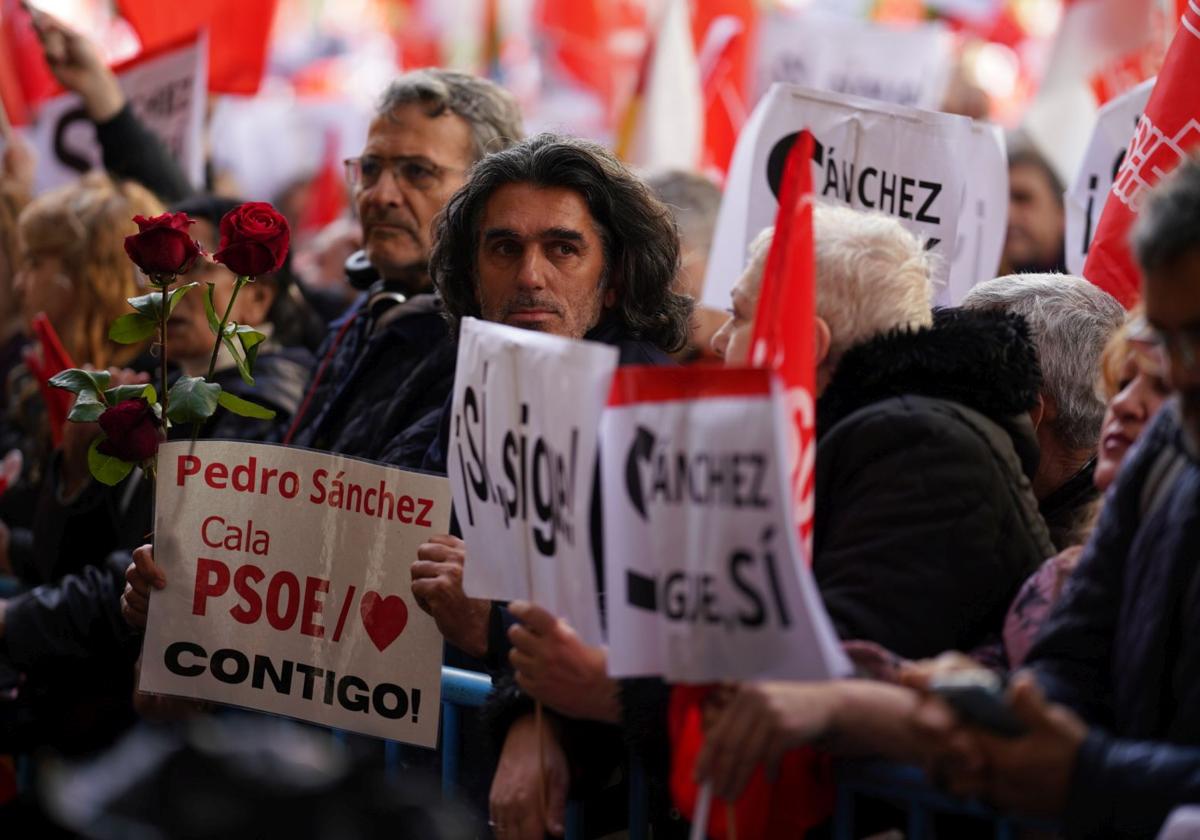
{"points": [[254, 239], [132, 431], [162, 246]]}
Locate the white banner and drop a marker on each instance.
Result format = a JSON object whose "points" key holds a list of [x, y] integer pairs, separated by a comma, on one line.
{"points": [[168, 92], [908, 65], [522, 462], [1085, 197], [983, 224], [703, 579], [910, 164], [288, 587]]}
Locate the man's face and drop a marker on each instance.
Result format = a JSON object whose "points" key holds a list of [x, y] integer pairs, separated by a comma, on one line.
{"points": [[541, 261], [1172, 299], [412, 164], [1036, 220]]}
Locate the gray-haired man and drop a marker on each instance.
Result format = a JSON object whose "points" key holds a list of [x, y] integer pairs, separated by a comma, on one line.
{"points": [[388, 363]]}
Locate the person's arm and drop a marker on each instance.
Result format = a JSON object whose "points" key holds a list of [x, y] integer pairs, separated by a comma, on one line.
{"points": [[130, 149], [77, 618], [1127, 788]]}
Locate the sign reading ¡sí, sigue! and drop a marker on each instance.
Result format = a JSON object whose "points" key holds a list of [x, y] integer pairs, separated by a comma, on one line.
{"points": [[288, 587]]}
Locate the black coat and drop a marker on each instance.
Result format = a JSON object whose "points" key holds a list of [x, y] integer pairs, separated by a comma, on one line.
{"points": [[926, 524], [1122, 647], [379, 392]]}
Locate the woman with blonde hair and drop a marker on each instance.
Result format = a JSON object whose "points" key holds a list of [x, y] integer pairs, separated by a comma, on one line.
{"points": [[73, 265]]}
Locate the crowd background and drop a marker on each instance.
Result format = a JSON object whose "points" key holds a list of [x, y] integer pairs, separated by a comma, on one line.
{"points": [[1032, 392]]}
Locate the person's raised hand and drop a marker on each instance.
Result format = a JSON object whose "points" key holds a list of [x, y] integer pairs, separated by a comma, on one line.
{"points": [[515, 802], [757, 726], [77, 64], [438, 589], [554, 666], [142, 575]]}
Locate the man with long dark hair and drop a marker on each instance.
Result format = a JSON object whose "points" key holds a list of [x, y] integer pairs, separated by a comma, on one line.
{"points": [[556, 235]]}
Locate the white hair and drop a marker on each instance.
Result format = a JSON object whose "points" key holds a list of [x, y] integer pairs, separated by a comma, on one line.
{"points": [[873, 276], [1070, 320]]}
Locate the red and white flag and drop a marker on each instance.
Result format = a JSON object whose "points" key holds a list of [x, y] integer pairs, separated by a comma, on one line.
{"points": [[1167, 131], [783, 331]]}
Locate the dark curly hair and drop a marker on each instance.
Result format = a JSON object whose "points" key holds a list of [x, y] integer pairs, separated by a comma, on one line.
{"points": [[641, 242]]}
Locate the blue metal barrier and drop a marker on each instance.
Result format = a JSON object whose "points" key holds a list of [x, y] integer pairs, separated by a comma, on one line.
{"points": [[907, 787]]}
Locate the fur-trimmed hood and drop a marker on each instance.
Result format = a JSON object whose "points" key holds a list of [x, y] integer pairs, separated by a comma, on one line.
{"points": [[985, 361]]}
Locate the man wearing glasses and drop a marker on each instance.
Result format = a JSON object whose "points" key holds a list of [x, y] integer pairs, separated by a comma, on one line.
{"points": [[387, 365], [1113, 739]]}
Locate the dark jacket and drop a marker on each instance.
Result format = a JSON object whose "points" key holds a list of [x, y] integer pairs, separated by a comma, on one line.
{"points": [[1122, 647], [926, 524], [377, 379]]}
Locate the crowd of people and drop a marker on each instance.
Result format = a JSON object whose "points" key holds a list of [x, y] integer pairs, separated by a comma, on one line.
{"points": [[1006, 487]]}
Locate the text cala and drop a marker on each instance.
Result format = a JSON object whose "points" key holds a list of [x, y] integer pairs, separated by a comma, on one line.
{"points": [[320, 488]]}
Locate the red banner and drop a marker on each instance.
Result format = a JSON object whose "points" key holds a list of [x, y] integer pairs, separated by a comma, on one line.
{"points": [[1167, 131], [783, 324]]}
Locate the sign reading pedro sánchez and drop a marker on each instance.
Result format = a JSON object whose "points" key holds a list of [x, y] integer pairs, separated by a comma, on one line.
{"points": [[288, 587]]}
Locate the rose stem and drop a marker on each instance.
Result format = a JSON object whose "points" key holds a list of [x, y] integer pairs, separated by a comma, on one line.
{"points": [[162, 349], [212, 363]]}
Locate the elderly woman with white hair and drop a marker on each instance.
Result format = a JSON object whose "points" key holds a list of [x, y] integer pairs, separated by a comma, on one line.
{"points": [[925, 522]]}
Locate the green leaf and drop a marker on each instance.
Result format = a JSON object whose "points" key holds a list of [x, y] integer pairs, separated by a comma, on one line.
{"points": [[192, 400], [150, 305], [242, 366], [244, 408], [76, 380], [250, 339], [210, 309], [132, 328], [105, 468], [131, 392], [87, 408]]}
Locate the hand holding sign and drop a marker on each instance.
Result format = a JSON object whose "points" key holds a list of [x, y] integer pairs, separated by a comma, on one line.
{"points": [[79, 67], [142, 575], [556, 668], [438, 589]]}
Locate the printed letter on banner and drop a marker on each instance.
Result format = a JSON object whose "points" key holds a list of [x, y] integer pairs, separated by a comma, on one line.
{"points": [[703, 576], [903, 162], [288, 587], [522, 462]]}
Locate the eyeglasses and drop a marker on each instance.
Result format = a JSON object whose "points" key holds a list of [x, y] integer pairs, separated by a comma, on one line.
{"points": [[364, 172]]}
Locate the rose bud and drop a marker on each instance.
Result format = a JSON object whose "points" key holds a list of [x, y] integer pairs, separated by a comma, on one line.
{"points": [[162, 246], [132, 431], [254, 239]]}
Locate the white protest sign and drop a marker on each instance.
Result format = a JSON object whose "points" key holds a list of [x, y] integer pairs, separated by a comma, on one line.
{"points": [[984, 220], [521, 464], [167, 90], [1105, 153], [288, 587], [909, 65], [703, 576], [906, 163]]}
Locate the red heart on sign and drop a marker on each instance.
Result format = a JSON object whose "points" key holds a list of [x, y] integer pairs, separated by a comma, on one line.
{"points": [[384, 618]]}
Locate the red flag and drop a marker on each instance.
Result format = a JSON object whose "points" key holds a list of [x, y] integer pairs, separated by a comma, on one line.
{"points": [[599, 43], [327, 194], [1167, 130], [25, 80], [783, 324], [45, 359], [238, 31], [723, 30]]}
